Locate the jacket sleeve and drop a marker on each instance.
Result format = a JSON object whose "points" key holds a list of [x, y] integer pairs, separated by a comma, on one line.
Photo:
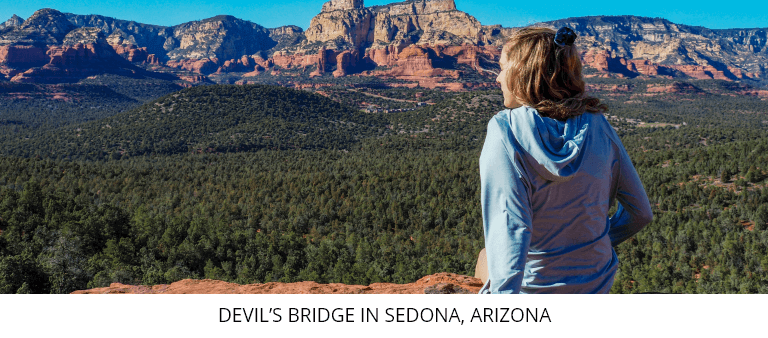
{"points": [[634, 211], [507, 213]]}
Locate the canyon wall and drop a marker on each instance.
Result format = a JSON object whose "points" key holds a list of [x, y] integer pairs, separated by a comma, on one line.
{"points": [[425, 42]]}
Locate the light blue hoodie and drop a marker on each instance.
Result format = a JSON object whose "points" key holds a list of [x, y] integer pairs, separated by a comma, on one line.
{"points": [[546, 187]]}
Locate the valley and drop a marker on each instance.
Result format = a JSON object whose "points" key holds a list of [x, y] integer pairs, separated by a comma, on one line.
{"points": [[255, 184], [348, 153]]}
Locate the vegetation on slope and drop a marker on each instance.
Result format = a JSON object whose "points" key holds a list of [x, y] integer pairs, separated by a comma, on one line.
{"points": [[218, 118], [389, 207]]}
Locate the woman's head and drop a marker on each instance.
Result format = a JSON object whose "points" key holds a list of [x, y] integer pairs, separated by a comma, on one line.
{"points": [[537, 72]]}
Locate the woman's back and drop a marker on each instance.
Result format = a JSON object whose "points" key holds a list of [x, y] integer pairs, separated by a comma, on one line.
{"points": [[549, 172], [547, 186]]}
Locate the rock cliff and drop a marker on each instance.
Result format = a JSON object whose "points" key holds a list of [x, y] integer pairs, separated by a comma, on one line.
{"points": [[697, 52], [46, 26], [48, 48], [221, 37], [23, 56], [347, 38], [440, 283], [14, 21], [121, 32], [84, 35], [426, 22]]}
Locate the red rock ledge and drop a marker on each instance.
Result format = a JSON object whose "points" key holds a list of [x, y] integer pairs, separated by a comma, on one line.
{"points": [[439, 283]]}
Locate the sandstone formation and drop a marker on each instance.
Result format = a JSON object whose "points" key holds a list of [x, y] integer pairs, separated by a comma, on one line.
{"points": [[675, 87], [344, 62], [286, 37], [68, 63], [200, 66], [428, 65], [757, 93], [341, 28], [719, 54], [427, 43], [348, 24], [603, 62], [123, 32], [222, 37], [47, 48], [136, 54], [495, 35], [46, 26], [23, 56], [622, 88], [342, 5], [700, 71], [440, 283], [84, 35], [14, 21]]}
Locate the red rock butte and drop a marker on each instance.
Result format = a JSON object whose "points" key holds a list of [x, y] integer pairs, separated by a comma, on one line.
{"points": [[424, 43]]}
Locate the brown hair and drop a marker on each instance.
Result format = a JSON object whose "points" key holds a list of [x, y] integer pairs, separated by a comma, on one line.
{"points": [[545, 76]]}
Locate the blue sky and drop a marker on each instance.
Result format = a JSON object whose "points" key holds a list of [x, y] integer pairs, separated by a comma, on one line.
{"points": [[274, 13]]}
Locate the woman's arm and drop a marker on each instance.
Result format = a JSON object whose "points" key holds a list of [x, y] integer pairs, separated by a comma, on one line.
{"points": [[506, 207], [634, 210]]}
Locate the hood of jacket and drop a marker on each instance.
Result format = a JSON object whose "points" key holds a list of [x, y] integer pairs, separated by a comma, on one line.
{"points": [[552, 147]]}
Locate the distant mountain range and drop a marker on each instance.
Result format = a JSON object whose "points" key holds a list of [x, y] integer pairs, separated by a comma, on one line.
{"points": [[427, 43]]}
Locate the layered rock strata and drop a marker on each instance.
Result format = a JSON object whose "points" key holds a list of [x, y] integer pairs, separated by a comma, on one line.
{"points": [[428, 22], [14, 21], [607, 65], [695, 52], [347, 38]]}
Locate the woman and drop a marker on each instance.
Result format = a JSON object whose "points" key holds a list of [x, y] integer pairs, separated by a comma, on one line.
{"points": [[550, 170]]}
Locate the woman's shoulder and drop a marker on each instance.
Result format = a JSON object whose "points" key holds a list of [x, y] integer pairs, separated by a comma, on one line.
{"points": [[514, 116], [600, 122]]}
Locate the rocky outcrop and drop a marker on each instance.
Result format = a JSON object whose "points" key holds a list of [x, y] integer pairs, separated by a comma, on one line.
{"points": [[345, 61], [14, 21], [122, 32], [341, 29], [348, 38], [644, 67], [84, 35], [48, 21], [755, 92], [622, 88], [440, 283], [701, 72], [603, 62], [46, 26], [342, 5], [222, 37], [23, 56], [277, 33], [243, 64], [322, 60], [495, 35], [204, 66], [675, 87], [71, 63], [429, 66], [347, 24], [67, 62], [435, 22], [286, 37], [92, 55], [136, 54], [719, 54], [193, 79]]}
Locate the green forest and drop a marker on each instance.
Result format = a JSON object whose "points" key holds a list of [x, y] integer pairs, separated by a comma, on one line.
{"points": [[254, 183]]}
